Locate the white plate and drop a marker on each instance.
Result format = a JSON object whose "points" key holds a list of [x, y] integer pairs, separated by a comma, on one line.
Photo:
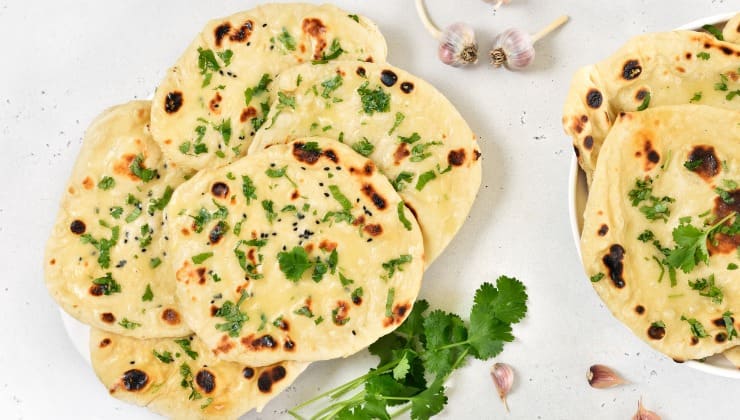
{"points": [[578, 195]]}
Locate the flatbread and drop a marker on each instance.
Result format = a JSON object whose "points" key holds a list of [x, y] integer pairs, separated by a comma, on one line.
{"points": [[344, 100], [733, 355], [137, 298], [731, 31], [326, 258], [150, 373], [201, 116], [657, 143], [673, 68]]}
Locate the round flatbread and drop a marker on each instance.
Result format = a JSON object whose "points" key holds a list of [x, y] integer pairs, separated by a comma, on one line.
{"points": [[661, 230], [105, 259], [211, 102], [669, 68], [300, 252], [410, 130], [180, 378], [731, 31]]}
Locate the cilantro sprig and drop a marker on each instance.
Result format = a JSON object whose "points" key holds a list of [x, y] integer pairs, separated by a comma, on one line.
{"points": [[691, 245], [416, 359]]}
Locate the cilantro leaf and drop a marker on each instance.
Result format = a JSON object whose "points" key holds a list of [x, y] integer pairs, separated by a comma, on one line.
{"points": [[294, 263], [234, 317], [374, 100], [364, 147], [137, 169], [185, 345], [429, 402], [148, 294], [441, 329]]}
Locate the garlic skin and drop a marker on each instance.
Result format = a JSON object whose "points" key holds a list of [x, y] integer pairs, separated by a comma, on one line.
{"points": [[498, 3], [458, 46], [643, 413], [503, 377], [602, 377], [513, 48]]}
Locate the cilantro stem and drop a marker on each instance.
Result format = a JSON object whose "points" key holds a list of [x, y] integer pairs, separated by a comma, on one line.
{"points": [[343, 389], [331, 411], [449, 346], [397, 413]]}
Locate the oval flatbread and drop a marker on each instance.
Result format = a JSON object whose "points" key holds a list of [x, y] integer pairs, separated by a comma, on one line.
{"points": [[180, 378], [211, 102], [669, 68], [661, 230], [105, 259], [299, 252], [410, 130]]}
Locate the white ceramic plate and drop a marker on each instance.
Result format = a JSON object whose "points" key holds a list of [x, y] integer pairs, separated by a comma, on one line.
{"points": [[578, 195]]}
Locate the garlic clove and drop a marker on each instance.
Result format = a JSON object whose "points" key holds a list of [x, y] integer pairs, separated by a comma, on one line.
{"points": [[601, 377], [458, 46], [643, 413], [503, 378], [513, 48]]}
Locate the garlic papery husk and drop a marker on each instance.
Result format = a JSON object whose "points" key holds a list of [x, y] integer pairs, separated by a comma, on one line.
{"points": [[643, 413], [457, 45], [503, 378], [601, 377], [513, 48]]}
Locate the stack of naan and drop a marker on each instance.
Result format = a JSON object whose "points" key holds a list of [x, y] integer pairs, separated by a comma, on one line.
{"points": [[275, 204], [656, 129]]}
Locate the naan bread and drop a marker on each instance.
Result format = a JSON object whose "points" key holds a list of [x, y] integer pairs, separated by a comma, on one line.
{"points": [[733, 355], [204, 115], [299, 252], [105, 259], [184, 382], [619, 253], [673, 68], [372, 107], [731, 31]]}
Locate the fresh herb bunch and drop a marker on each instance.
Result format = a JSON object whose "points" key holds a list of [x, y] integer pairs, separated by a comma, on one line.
{"points": [[417, 358]]}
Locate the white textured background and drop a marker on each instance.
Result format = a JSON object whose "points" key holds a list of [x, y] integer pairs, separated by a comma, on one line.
{"points": [[64, 62]]}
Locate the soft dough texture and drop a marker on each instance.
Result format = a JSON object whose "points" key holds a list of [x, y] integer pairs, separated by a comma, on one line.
{"points": [[410, 130], [656, 143], [213, 388], [731, 32], [107, 246], [201, 116], [673, 68], [309, 238]]}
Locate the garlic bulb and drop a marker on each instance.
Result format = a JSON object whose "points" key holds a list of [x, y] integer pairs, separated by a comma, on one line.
{"points": [[513, 49], [457, 45], [643, 413], [503, 378], [601, 377]]}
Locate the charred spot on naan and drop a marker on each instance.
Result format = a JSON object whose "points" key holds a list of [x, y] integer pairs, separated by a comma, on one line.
{"points": [[631, 69], [722, 243], [588, 142], [377, 199], [402, 151], [306, 155], [614, 262], [397, 315], [104, 343], [709, 165], [456, 157], [173, 102], [206, 380], [373, 229], [257, 344], [215, 104], [220, 189], [315, 28], [656, 332], [188, 273], [594, 99], [122, 166], [171, 316], [240, 34], [270, 376], [134, 380], [388, 78], [247, 114], [218, 231], [652, 157], [108, 318], [407, 87], [224, 345], [603, 230], [248, 372], [639, 309], [289, 344], [77, 227]]}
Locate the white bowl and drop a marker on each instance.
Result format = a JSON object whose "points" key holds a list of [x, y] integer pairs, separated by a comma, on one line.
{"points": [[578, 195]]}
